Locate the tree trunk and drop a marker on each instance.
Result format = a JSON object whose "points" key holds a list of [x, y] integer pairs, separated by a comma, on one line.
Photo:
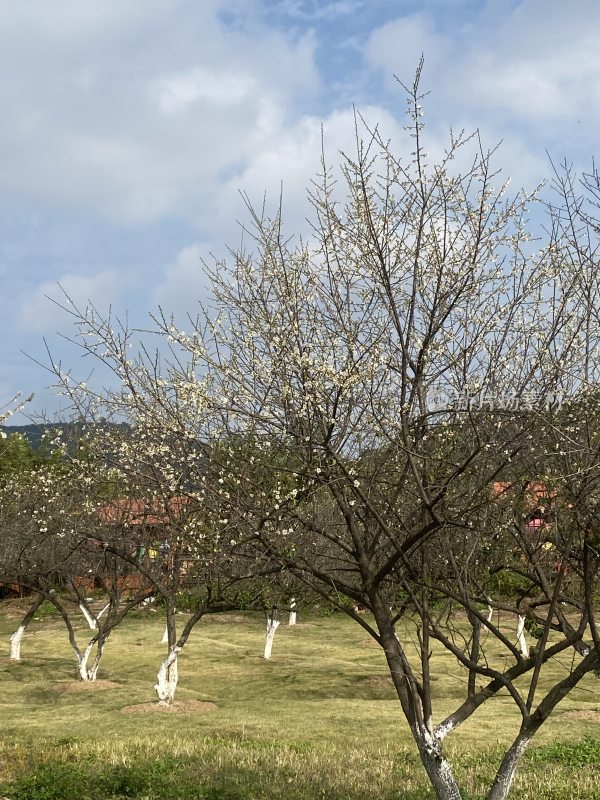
{"points": [[103, 610], [272, 625], [17, 636], [167, 677], [437, 767], [508, 767], [521, 638], [87, 673], [93, 672], [15, 643], [430, 746], [292, 619], [166, 680], [82, 662], [88, 617]]}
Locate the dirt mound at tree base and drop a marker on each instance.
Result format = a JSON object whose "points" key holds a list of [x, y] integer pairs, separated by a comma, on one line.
{"points": [[591, 714], [378, 681], [84, 686], [177, 707]]}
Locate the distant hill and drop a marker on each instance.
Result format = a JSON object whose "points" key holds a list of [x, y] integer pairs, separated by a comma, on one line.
{"points": [[34, 432]]}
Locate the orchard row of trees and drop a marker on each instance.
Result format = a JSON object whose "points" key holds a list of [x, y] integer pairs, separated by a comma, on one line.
{"points": [[84, 536], [400, 413]]}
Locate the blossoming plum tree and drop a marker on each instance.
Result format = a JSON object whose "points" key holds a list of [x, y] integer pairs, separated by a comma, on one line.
{"points": [[159, 524], [391, 371], [53, 546]]}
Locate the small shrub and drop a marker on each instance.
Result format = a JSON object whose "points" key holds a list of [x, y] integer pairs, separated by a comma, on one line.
{"points": [[507, 583], [126, 781], [47, 610], [57, 781], [572, 754]]}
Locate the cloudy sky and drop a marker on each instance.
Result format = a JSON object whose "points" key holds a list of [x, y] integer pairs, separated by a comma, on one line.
{"points": [[129, 127]]}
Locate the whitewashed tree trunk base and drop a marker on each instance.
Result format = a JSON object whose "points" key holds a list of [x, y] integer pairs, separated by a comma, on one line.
{"points": [[438, 768], [521, 638], [82, 662], [292, 619], [88, 617], [93, 672], [272, 625], [165, 636], [166, 680], [15, 643], [17, 636], [506, 773]]}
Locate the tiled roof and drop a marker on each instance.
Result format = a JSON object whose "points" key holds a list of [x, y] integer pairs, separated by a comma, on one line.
{"points": [[136, 511]]}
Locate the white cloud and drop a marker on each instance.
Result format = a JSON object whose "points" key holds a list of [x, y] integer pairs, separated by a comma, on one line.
{"points": [[178, 93], [136, 116], [183, 283], [284, 165], [153, 113], [66, 19], [540, 63], [536, 61], [526, 73], [317, 10], [46, 309], [396, 47]]}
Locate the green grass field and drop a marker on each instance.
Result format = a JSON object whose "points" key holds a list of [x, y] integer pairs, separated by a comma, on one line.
{"points": [[320, 720]]}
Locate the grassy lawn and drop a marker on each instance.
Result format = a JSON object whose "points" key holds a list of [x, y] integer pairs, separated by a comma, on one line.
{"points": [[320, 720]]}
